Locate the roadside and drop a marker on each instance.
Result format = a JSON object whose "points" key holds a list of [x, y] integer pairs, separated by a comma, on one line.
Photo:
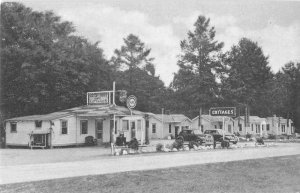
{"points": [[114, 164], [10, 156], [259, 175]]}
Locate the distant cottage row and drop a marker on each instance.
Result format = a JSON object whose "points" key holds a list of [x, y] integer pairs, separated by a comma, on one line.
{"points": [[106, 122]]}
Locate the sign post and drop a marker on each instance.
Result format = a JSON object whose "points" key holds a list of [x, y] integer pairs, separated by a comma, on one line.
{"points": [[131, 102], [224, 112]]}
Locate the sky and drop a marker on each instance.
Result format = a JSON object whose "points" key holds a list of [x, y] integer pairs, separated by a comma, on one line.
{"points": [[162, 24]]}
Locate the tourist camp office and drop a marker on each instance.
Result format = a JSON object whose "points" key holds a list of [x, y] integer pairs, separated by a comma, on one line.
{"points": [[72, 126]]}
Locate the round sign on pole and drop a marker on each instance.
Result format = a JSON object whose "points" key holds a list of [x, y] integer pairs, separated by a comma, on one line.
{"points": [[131, 101]]}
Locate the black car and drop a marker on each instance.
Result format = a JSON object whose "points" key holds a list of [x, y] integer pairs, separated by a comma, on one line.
{"points": [[218, 135], [190, 135]]}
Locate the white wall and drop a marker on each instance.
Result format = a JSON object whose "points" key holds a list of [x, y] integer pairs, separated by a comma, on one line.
{"points": [[24, 128], [158, 134]]}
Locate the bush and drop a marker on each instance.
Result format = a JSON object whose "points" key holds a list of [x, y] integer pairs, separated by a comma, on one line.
{"points": [[192, 143], [178, 144], [133, 144], [225, 143], [248, 136], [89, 140], [271, 136], [159, 147], [260, 141]]}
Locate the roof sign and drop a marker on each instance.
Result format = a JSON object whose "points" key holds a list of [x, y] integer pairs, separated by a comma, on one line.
{"points": [[223, 111], [97, 98]]}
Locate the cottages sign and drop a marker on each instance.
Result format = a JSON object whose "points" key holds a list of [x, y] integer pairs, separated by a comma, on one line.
{"points": [[223, 111], [97, 98]]}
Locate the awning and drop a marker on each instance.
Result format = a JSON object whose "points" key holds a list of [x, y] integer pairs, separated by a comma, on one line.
{"points": [[44, 131]]}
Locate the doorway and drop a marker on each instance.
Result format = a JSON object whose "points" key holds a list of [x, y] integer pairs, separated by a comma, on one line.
{"points": [[176, 131], [99, 130], [133, 131]]}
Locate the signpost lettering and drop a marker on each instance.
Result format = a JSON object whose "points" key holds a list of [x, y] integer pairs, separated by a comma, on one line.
{"points": [[97, 98], [223, 111]]}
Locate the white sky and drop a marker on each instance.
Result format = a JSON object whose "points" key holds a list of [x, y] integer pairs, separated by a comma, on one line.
{"points": [[275, 25]]}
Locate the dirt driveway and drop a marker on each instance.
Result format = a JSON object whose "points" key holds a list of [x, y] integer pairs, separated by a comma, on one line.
{"points": [[113, 164]]}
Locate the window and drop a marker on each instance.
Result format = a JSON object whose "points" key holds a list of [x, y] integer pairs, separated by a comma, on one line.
{"points": [[116, 127], [153, 127], [257, 128], [252, 127], [38, 124], [13, 127], [221, 126], [170, 128], [64, 127], [125, 125], [215, 126], [240, 127], [84, 127], [202, 128], [268, 127], [283, 128]]}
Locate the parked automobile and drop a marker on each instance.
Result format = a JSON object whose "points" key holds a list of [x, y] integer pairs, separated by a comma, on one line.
{"points": [[218, 135], [191, 135]]}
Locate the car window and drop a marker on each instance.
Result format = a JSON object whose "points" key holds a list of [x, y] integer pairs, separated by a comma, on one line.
{"points": [[197, 132]]}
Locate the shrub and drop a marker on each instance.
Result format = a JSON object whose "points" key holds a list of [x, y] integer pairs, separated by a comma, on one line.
{"points": [[260, 140], [133, 144], [159, 147], [225, 143], [89, 140], [271, 136], [248, 136], [192, 143], [178, 144]]}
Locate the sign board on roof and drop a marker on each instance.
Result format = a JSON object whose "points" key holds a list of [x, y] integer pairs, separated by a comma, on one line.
{"points": [[223, 111], [97, 98]]}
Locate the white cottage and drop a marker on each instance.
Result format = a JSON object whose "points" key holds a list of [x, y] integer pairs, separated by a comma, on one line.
{"points": [[279, 126], [163, 125], [213, 122], [256, 126], [72, 126]]}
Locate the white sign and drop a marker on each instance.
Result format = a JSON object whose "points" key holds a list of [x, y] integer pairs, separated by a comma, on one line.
{"points": [[97, 98], [131, 101]]}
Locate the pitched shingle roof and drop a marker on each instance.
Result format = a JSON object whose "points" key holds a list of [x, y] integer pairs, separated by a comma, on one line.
{"points": [[172, 118], [212, 118], [87, 110]]}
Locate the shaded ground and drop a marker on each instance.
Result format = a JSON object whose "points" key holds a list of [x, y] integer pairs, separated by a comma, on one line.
{"points": [[279, 174]]}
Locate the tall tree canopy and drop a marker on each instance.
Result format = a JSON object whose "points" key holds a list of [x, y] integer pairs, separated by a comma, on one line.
{"points": [[199, 65], [43, 66], [284, 93], [248, 76], [135, 73]]}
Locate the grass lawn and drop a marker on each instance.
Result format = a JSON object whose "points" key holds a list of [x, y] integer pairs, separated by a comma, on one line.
{"points": [[279, 174]]}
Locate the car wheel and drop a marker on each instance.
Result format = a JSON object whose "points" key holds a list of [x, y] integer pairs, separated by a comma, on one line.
{"points": [[235, 142]]}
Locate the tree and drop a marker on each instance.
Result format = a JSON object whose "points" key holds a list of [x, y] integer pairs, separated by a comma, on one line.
{"points": [[44, 67], [135, 73], [199, 66], [285, 93], [247, 77]]}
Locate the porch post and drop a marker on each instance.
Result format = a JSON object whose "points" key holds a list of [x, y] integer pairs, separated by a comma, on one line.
{"points": [[147, 128]]}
